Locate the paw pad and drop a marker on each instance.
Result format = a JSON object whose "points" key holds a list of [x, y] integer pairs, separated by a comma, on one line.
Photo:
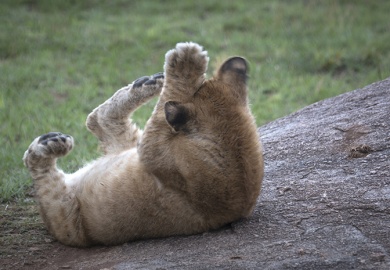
{"points": [[46, 147], [52, 136], [55, 143], [148, 80]]}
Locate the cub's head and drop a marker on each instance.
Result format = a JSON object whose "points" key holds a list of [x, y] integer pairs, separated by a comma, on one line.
{"points": [[202, 135], [214, 103]]}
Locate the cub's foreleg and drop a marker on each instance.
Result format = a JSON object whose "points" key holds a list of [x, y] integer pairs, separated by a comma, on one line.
{"points": [[57, 203], [110, 121], [185, 68]]}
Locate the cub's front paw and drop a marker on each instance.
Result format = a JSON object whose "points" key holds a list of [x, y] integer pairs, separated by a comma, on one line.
{"points": [[48, 146], [187, 60]]}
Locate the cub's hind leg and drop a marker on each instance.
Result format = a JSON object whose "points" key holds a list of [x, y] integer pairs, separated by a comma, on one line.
{"points": [[58, 205], [41, 156], [110, 121]]}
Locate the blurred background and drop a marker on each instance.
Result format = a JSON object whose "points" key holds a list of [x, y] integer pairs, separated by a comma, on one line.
{"points": [[60, 59]]}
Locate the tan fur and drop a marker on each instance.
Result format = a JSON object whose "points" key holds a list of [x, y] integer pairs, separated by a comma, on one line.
{"points": [[197, 166]]}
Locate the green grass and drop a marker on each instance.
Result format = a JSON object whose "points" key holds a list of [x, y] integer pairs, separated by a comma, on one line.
{"points": [[60, 59]]}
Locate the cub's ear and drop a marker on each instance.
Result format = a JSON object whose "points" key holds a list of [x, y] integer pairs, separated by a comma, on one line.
{"points": [[234, 72], [176, 115]]}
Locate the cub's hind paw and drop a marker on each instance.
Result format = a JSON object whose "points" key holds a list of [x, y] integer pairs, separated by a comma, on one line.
{"points": [[48, 146], [53, 144], [124, 101], [53, 137], [157, 78], [148, 86]]}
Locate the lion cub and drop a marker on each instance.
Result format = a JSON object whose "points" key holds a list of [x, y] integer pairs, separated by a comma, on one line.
{"points": [[197, 166]]}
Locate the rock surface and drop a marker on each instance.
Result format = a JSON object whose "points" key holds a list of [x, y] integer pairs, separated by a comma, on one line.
{"points": [[325, 202]]}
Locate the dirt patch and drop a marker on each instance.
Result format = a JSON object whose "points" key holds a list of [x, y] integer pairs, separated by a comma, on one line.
{"points": [[24, 241], [26, 244]]}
